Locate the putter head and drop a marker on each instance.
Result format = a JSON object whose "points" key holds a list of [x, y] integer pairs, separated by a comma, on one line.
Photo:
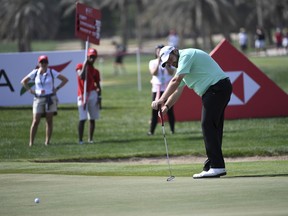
{"points": [[171, 178]]}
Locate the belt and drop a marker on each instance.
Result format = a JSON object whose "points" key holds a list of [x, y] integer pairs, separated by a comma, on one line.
{"points": [[215, 86], [44, 96], [48, 99], [223, 80]]}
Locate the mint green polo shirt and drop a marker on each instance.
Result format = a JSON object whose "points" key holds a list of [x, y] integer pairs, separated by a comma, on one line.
{"points": [[200, 69]]}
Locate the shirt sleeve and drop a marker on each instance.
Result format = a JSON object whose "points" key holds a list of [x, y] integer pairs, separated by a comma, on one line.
{"points": [[152, 64], [182, 83], [184, 65], [55, 73], [32, 74]]}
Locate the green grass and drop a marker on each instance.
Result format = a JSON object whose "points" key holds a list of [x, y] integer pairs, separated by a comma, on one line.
{"points": [[130, 196], [118, 136], [275, 68], [235, 169]]}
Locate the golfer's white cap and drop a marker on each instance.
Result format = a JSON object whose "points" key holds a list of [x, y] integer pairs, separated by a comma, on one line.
{"points": [[164, 54]]}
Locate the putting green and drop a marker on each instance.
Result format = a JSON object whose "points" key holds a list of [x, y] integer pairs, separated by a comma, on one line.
{"points": [[141, 196]]}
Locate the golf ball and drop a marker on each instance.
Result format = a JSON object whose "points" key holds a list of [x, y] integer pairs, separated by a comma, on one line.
{"points": [[37, 200]]}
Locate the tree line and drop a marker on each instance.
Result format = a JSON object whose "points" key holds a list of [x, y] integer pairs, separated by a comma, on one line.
{"points": [[27, 20]]}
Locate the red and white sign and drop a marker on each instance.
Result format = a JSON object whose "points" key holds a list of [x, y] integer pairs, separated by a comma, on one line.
{"points": [[88, 23], [254, 94]]}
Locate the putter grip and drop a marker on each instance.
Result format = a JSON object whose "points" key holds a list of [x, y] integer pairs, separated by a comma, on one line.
{"points": [[161, 115]]}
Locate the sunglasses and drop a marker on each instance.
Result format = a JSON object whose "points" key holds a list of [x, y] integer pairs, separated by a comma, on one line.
{"points": [[44, 62]]}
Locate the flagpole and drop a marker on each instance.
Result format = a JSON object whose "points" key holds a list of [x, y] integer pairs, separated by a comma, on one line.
{"points": [[85, 81]]}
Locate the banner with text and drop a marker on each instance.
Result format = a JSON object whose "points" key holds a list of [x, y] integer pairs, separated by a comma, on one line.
{"points": [[15, 66], [88, 23]]}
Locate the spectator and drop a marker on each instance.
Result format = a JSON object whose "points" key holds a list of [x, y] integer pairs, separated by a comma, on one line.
{"points": [[160, 79], [173, 38], [278, 40], [88, 108], [243, 40], [200, 72], [45, 99], [260, 41], [285, 40], [120, 51]]}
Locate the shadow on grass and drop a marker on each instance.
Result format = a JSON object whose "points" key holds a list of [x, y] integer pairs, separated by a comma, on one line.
{"points": [[110, 141], [257, 176], [102, 160], [16, 108], [68, 107]]}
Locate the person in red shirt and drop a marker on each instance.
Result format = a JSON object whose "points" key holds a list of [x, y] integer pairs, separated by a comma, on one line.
{"points": [[278, 38], [278, 35], [89, 108]]}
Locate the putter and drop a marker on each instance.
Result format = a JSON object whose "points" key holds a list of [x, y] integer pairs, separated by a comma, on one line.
{"points": [[171, 177]]}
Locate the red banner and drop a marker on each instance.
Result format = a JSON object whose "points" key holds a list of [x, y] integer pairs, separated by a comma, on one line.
{"points": [[88, 23]]}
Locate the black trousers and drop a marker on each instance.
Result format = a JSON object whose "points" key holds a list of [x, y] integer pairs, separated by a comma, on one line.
{"points": [[154, 119], [214, 102]]}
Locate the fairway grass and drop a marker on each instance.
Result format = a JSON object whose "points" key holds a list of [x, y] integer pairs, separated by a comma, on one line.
{"points": [[124, 189], [109, 196], [234, 169]]}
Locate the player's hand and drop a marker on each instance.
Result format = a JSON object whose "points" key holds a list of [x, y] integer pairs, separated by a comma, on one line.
{"points": [[155, 105], [32, 91], [163, 110]]}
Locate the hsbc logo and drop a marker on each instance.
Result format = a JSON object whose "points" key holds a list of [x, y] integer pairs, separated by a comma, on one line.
{"points": [[89, 11], [244, 87]]}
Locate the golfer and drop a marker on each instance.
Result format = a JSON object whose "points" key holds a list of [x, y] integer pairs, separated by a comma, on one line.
{"points": [[89, 108], [198, 71]]}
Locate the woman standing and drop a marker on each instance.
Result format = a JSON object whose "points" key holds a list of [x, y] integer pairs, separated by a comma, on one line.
{"points": [[160, 79], [45, 99]]}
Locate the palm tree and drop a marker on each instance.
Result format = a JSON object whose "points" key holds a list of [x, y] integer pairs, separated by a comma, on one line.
{"points": [[122, 7], [163, 15], [24, 20], [197, 18]]}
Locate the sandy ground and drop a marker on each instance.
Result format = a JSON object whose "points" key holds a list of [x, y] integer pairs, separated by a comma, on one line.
{"points": [[107, 49]]}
